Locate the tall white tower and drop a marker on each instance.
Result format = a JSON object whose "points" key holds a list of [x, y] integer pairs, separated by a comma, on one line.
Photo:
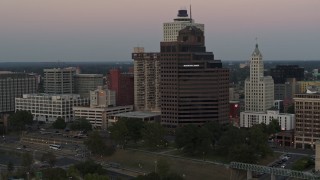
{"points": [[259, 89], [171, 29]]}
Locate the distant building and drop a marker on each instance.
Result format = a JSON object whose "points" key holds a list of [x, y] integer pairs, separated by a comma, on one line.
{"points": [[286, 90], [98, 116], [194, 86], [281, 73], [307, 130], [146, 80], [171, 29], [48, 107], [59, 81], [13, 85], [122, 84], [84, 83], [259, 89], [136, 115], [302, 86], [286, 121], [102, 98]]}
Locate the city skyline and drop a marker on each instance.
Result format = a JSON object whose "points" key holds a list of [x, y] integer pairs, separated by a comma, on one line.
{"points": [[74, 30]]}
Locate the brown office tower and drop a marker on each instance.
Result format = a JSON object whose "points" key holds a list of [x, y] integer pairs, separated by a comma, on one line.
{"points": [[194, 86]]}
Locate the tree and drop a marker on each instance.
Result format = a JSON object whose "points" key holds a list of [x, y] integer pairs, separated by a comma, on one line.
{"points": [[20, 119], [59, 123], [50, 158], [134, 127], [95, 177], [153, 134], [273, 127], [163, 168], [242, 153], [73, 172], [54, 174], [89, 167], [27, 160], [96, 145], [81, 124], [10, 167], [119, 132], [257, 140]]}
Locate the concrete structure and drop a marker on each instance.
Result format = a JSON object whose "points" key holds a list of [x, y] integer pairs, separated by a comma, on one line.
{"points": [[122, 84], [259, 89], [141, 115], [14, 85], [48, 107], [171, 29], [102, 98], [99, 116], [194, 86], [286, 121], [146, 80], [307, 110], [84, 83], [285, 91], [59, 81]]}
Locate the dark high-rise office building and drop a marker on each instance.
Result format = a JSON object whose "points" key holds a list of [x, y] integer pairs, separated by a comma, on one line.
{"points": [[194, 87], [281, 73]]}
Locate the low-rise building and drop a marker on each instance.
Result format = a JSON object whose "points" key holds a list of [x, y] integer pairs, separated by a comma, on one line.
{"points": [[286, 121], [145, 116], [48, 107], [98, 116]]}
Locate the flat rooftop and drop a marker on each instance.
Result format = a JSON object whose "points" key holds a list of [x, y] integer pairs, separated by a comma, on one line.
{"points": [[138, 114]]}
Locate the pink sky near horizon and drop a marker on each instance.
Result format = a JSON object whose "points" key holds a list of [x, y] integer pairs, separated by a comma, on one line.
{"points": [[47, 30]]}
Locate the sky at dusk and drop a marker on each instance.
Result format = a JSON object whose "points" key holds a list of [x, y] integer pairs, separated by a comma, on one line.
{"points": [[107, 30]]}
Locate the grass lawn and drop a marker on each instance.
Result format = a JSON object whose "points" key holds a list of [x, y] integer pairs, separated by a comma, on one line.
{"points": [[269, 159], [191, 170]]}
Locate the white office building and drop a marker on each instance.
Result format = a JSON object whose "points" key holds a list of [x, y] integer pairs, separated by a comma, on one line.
{"points": [[286, 121], [259, 89], [48, 107], [171, 29]]}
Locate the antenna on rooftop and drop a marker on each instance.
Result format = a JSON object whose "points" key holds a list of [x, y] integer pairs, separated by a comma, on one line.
{"points": [[190, 12]]}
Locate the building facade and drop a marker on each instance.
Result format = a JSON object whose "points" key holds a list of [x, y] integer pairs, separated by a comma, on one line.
{"points": [[98, 116], [48, 107], [13, 85], [286, 121], [171, 29], [194, 86], [122, 84], [307, 130], [59, 81], [302, 86], [102, 98], [146, 80], [281, 73], [84, 83], [259, 89]]}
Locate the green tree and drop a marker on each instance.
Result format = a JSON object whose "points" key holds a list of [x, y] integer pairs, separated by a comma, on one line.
{"points": [[163, 168], [153, 135], [230, 138], [242, 153], [20, 119], [97, 145], [134, 127], [54, 174], [257, 140], [73, 172], [59, 123], [194, 140], [27, 160], [81, 125], [89, 167], [273, 127], [10, 167], [95, 177], [50, 158], [119, 132]]}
